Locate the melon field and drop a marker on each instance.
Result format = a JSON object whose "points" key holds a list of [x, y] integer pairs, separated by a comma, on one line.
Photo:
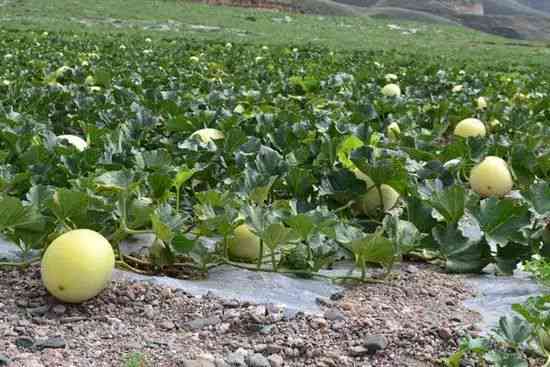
{"points": [[289, 159]]}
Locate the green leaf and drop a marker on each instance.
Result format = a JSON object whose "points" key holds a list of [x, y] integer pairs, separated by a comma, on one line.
{"points": [[462, 254], [302, 224], [502, 221], [404, 234], [509, 256], [513, 330], [501, 359], [116, 180], [539, 196], [160, 254], [455, 359], [181, 244], [68, 204], [257, 186], [449, 202], [182, 177], [349, 144], [14, 215], [269, 162], [374, 248], [300, 182], [382, 166], [160, 184], [166, 223], [275, 235]]}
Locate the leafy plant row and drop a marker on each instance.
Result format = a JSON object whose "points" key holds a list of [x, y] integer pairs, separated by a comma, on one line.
{"points": [[298, 127]]}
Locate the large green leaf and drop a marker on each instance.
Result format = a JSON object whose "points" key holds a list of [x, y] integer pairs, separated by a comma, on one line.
{"points": [[463, 255], [502, 221], [539, 196], [374, 248], [449, 202]]}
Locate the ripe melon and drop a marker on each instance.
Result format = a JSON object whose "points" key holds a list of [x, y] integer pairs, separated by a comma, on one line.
{"points": [[393, 131], [481, 103], [77, 265], [207, 135], [391, 90], [491, 177], [244, 245], [544, 340], [76, 141], [370, 202], [470, 127]]}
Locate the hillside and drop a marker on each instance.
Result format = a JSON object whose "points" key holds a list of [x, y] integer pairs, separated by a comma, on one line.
{"points": [[525, 19], [518, 19]]}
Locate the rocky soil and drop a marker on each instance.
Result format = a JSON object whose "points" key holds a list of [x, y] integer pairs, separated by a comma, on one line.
{"points": [[413, 320]]}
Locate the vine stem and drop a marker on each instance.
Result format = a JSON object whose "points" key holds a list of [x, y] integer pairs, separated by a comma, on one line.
{"points": [[260, 258], [21, 264], [301, 272]]}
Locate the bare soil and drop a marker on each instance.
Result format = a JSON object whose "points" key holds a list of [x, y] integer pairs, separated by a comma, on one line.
{"points": [[419, 317]]}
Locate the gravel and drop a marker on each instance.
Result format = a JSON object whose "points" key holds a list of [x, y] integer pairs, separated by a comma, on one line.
{"points": [[413, 320]]}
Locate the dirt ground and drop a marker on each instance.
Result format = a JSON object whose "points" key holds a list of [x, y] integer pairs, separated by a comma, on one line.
{"points": [[413, 320]]}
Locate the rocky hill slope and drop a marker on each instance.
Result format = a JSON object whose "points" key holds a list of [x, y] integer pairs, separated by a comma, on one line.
{"points": [[519, 19]]}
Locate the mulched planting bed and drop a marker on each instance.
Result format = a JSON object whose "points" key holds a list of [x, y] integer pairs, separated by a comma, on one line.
{"points": [[414, 320]]}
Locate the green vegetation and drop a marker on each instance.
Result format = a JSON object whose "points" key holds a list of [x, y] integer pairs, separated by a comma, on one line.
{"points": [[135, 359], [180, 19], [281, 125], [296, 130]]}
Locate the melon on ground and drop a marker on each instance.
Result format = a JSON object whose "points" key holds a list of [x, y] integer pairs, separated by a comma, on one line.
{"points": [[77, 265]]}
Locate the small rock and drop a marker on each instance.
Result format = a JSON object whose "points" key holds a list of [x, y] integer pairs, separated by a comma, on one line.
{"points": [[275, 360], [337, 296], [203, 322], [237, 358], [224, 328], [358, 351], [374, 343], [148, 311], [22, 303], [259, 348], [257, 360], [231, 313], [198, 363], [218, 362], [318, 323], [166, 292], [444, 334], [338, 325], [411, 269], [55, 342], [266, 329], [347, 306], [33, 363], [167, 325], [323, 301], [334, 314], [232, 303], [73, 319], [59, 309], [274, 348], [38, 311], [24, 342]]}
